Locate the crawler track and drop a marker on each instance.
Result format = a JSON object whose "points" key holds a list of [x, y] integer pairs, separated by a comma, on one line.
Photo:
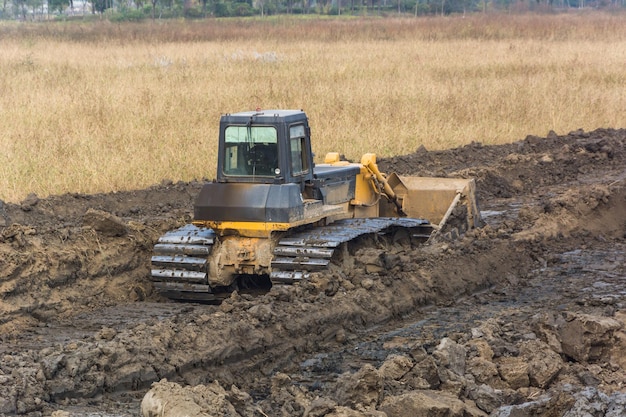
{"points": [[180, 264], [300, 253], [181, 257]]}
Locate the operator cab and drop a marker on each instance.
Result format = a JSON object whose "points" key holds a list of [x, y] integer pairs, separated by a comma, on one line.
{"points": [[266, 179], [268, 147]]}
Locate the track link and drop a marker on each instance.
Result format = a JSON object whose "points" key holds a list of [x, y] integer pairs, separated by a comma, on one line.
{"points": [[299, 254]]}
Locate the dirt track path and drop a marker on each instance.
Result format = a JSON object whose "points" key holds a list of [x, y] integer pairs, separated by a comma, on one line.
{"points": [[87, 334]]}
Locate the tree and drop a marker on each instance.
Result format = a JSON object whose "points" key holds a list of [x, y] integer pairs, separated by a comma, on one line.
{"points": [[58, 5], [101, 5], [204, 7]]}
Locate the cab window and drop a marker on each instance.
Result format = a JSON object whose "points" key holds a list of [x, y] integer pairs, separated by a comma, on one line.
{"points": [[298, 150], [250, 150]]}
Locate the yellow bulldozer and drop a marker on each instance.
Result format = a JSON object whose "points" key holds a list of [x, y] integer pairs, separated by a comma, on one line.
{"points": [[273, 213]]}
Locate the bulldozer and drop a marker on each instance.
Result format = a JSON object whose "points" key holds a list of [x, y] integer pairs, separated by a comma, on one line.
{"points": [[272, 212]]}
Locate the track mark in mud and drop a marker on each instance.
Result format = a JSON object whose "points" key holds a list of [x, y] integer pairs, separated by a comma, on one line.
{"points": [[597, 274]]}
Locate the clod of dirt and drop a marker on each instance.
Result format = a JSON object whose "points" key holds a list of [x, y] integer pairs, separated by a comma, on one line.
{"points": [[105, 223], [586, 338], [29, 202], [168, 399]]}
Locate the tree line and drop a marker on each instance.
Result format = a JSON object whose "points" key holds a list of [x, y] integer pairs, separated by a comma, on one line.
{"points": [[120, 10]]}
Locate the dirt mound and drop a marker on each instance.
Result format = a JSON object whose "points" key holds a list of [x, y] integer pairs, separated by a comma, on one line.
{"points": [[524, 316]]}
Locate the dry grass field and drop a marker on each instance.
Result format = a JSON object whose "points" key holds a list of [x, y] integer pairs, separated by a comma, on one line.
{"points": [[95, 107]]}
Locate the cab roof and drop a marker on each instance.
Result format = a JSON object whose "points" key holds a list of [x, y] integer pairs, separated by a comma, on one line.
{"points": [[264, 116]]}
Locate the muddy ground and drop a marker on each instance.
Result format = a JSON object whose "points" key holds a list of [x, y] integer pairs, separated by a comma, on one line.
{"points": [[525, 316]]}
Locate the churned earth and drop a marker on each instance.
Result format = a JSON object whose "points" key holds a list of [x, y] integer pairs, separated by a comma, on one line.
{"points": [[524, 316]]}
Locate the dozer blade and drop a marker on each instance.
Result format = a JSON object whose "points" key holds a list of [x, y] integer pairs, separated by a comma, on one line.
{"points": [[446, 203]]}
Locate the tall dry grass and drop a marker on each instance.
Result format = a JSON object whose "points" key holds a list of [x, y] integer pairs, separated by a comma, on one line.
{"points": [[99, 107]]}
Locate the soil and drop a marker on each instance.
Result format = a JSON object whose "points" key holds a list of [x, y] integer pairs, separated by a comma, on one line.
{"points": [[524, 316]]}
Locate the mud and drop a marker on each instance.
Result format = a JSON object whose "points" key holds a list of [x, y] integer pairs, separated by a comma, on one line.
{"points": [[523, 317]]}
